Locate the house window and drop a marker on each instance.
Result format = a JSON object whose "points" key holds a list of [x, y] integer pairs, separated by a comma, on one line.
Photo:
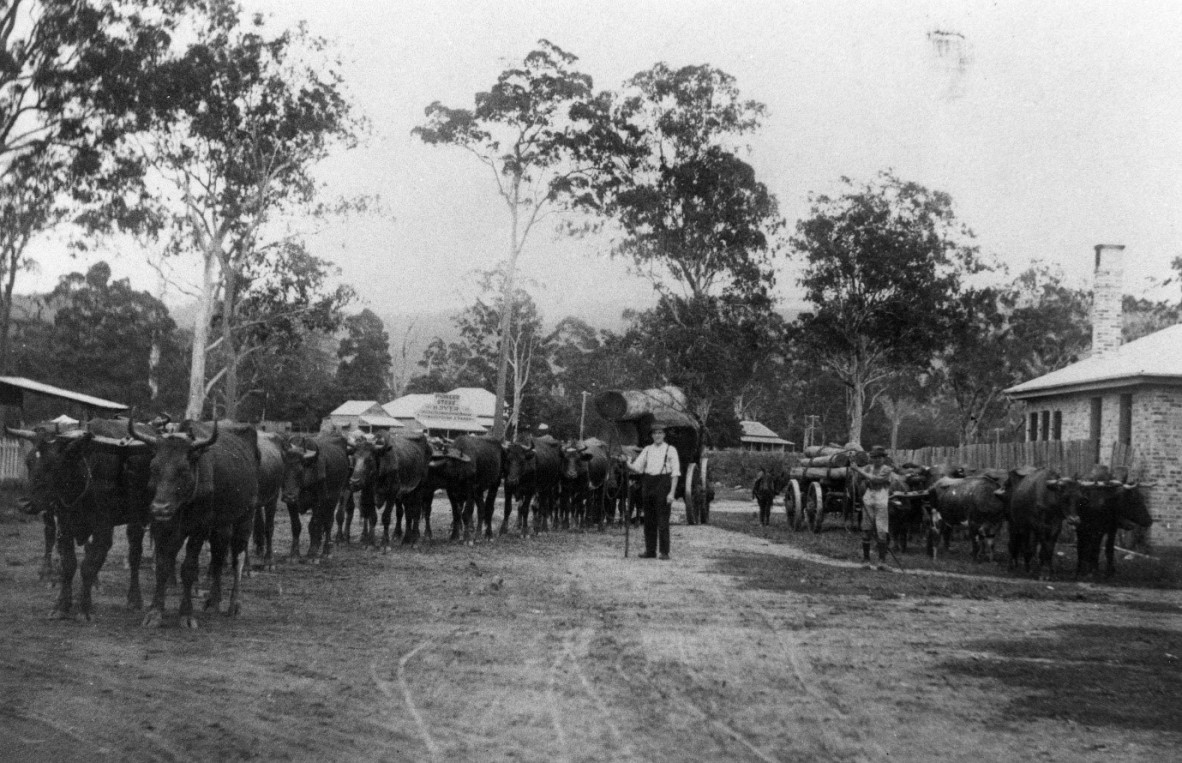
{"points": [[1126, 420], [1045, 429], [1094, 425], [1032, 435], [1057, 425]]}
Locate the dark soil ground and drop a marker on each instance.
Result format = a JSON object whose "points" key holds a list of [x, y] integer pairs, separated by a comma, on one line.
{"points": [[750, 644]]}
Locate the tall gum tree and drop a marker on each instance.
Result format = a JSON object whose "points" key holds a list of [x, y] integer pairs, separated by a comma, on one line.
{"points": [[530, 130], [691, 215], [71, 75], [884, 268], [250, 115]]}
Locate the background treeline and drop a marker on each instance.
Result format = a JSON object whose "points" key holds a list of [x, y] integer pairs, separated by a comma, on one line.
{"points": [[194, 131]]}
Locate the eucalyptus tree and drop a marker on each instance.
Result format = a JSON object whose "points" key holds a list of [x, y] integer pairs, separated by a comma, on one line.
{"points": [[249, 114], [71, 79], [530, 129], [689, 212], [885, 269]]}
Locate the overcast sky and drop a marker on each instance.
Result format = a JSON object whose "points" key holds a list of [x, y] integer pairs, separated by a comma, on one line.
{"points": [[1055, 126]]}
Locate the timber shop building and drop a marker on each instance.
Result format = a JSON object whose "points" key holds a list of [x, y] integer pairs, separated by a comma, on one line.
{"points": [[1125, 399]]}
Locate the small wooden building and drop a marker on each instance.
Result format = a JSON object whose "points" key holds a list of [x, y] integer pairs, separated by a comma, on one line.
{"points": [[361, 415], [1124, 399], [757, 437]]}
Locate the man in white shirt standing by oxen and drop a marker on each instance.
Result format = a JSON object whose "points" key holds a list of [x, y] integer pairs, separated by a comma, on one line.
{"points": [[659, 468]]}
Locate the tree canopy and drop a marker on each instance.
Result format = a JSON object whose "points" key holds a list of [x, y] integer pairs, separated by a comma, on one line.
{"points": [[885, 267]]}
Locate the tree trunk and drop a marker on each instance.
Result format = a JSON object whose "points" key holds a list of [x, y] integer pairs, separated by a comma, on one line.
{"points": [[196, 404], [507, 309], [6, 311], [229, 349]]}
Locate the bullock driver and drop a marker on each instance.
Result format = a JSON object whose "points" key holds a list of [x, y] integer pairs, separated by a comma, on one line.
{"points": [[876, 503], [659, 468]]}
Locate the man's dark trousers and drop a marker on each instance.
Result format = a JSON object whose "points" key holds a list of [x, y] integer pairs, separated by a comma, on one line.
{"points": [[655, 490]]}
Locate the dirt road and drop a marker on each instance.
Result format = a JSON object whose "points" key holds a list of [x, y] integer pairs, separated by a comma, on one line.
{"points": [[557, 648]]}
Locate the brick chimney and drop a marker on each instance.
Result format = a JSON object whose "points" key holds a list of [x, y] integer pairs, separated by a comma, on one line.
{"points": [[1107, 294]]}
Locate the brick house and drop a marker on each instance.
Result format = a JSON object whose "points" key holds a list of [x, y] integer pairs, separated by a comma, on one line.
{"points": [[1124, 398]]}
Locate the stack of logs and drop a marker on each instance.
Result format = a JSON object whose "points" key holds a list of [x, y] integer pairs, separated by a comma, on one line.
{"points": [[827, 462]]}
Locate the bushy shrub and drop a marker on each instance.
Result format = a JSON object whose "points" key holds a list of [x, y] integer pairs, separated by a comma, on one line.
{"points": [[737, 468]]}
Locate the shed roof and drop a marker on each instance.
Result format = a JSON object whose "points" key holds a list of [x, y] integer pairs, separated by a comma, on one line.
{"points": [[353, 407], [377, 420], [753, 431], [21, 383], [407, 406], [1156, 358]]}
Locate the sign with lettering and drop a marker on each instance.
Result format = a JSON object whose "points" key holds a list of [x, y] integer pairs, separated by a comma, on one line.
{"points": [[446, 408]]}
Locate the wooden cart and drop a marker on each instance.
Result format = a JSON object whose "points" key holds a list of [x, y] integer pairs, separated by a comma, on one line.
{"points": [[632, 412]]}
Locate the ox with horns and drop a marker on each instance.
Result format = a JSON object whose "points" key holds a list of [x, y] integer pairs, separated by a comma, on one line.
{"points": [[204, 484], [87, 482]]}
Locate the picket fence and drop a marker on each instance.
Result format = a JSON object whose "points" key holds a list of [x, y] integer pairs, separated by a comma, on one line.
{"points": [[12, 460], [1065, 456]]}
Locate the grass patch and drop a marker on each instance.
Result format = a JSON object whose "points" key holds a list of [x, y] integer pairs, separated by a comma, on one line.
{"points": [[776, 573], [1163, 570], [1126, 677]]}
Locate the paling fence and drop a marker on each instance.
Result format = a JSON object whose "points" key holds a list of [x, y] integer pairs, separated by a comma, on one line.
{"points": [[1068, 457], [12, 460]]}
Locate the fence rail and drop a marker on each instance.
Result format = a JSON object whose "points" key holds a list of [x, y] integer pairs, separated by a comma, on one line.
{"points": [[12, 460], [1065, 456]]}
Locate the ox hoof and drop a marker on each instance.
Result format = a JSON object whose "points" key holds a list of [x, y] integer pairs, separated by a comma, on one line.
{"points": [[315, 561], [60, 614], [234, 609], [135, 603], [213, 604], [153, 619], [189, 622]]}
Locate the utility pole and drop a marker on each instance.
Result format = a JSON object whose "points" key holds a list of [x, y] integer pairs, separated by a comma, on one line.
{"points": [[583, 414]]}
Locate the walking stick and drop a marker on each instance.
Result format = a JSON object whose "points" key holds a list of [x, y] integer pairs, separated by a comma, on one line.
{"points": [[627, 527]]}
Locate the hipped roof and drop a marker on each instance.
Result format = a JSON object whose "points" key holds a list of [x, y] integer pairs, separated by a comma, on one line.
{"points": [[1152, 359], [753, 431]]}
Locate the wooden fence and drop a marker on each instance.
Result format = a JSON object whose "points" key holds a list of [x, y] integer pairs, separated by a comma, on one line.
{"points": [[1065, 456], [12, 460]]}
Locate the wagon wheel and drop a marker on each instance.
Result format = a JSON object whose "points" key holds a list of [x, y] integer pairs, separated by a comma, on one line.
{"points": [[793, 505], [817, 500], [702, 496]]}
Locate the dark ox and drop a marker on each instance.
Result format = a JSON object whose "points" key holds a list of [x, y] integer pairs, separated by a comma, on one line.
{"points": [[204, 484], [979, 502], [764, 492], [616, 488], [584, 470], [271, 475], [394, 469], [469, 470], [363, 473], [909, 507], [1041, 502], [1112, 505], [533, 468], [38, 498], [316, 472], [86, 482]]}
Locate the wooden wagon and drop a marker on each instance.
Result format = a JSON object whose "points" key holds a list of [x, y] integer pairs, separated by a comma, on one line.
{"points": [[632, 413], [823, 483]]}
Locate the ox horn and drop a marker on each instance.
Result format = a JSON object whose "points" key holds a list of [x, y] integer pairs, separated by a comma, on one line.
{"points": [[201, 445], [148, 439], [23, 434]]}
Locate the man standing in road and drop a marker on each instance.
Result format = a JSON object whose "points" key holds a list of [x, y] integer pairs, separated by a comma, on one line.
{"points": [[876, 503], [659, 468]]}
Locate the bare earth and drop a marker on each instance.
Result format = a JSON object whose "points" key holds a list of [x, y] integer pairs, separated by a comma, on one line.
{"points": [[558, 648]]}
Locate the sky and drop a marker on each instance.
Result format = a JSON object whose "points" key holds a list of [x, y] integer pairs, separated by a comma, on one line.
{"points": [[1054, 126]]}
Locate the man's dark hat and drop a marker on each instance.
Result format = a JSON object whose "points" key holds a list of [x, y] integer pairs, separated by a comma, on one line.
{"points": [[657, 425], [878, 450]]}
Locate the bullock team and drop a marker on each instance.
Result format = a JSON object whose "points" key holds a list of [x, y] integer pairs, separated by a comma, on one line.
{"points": [[1033, 503], [220, 483]]}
